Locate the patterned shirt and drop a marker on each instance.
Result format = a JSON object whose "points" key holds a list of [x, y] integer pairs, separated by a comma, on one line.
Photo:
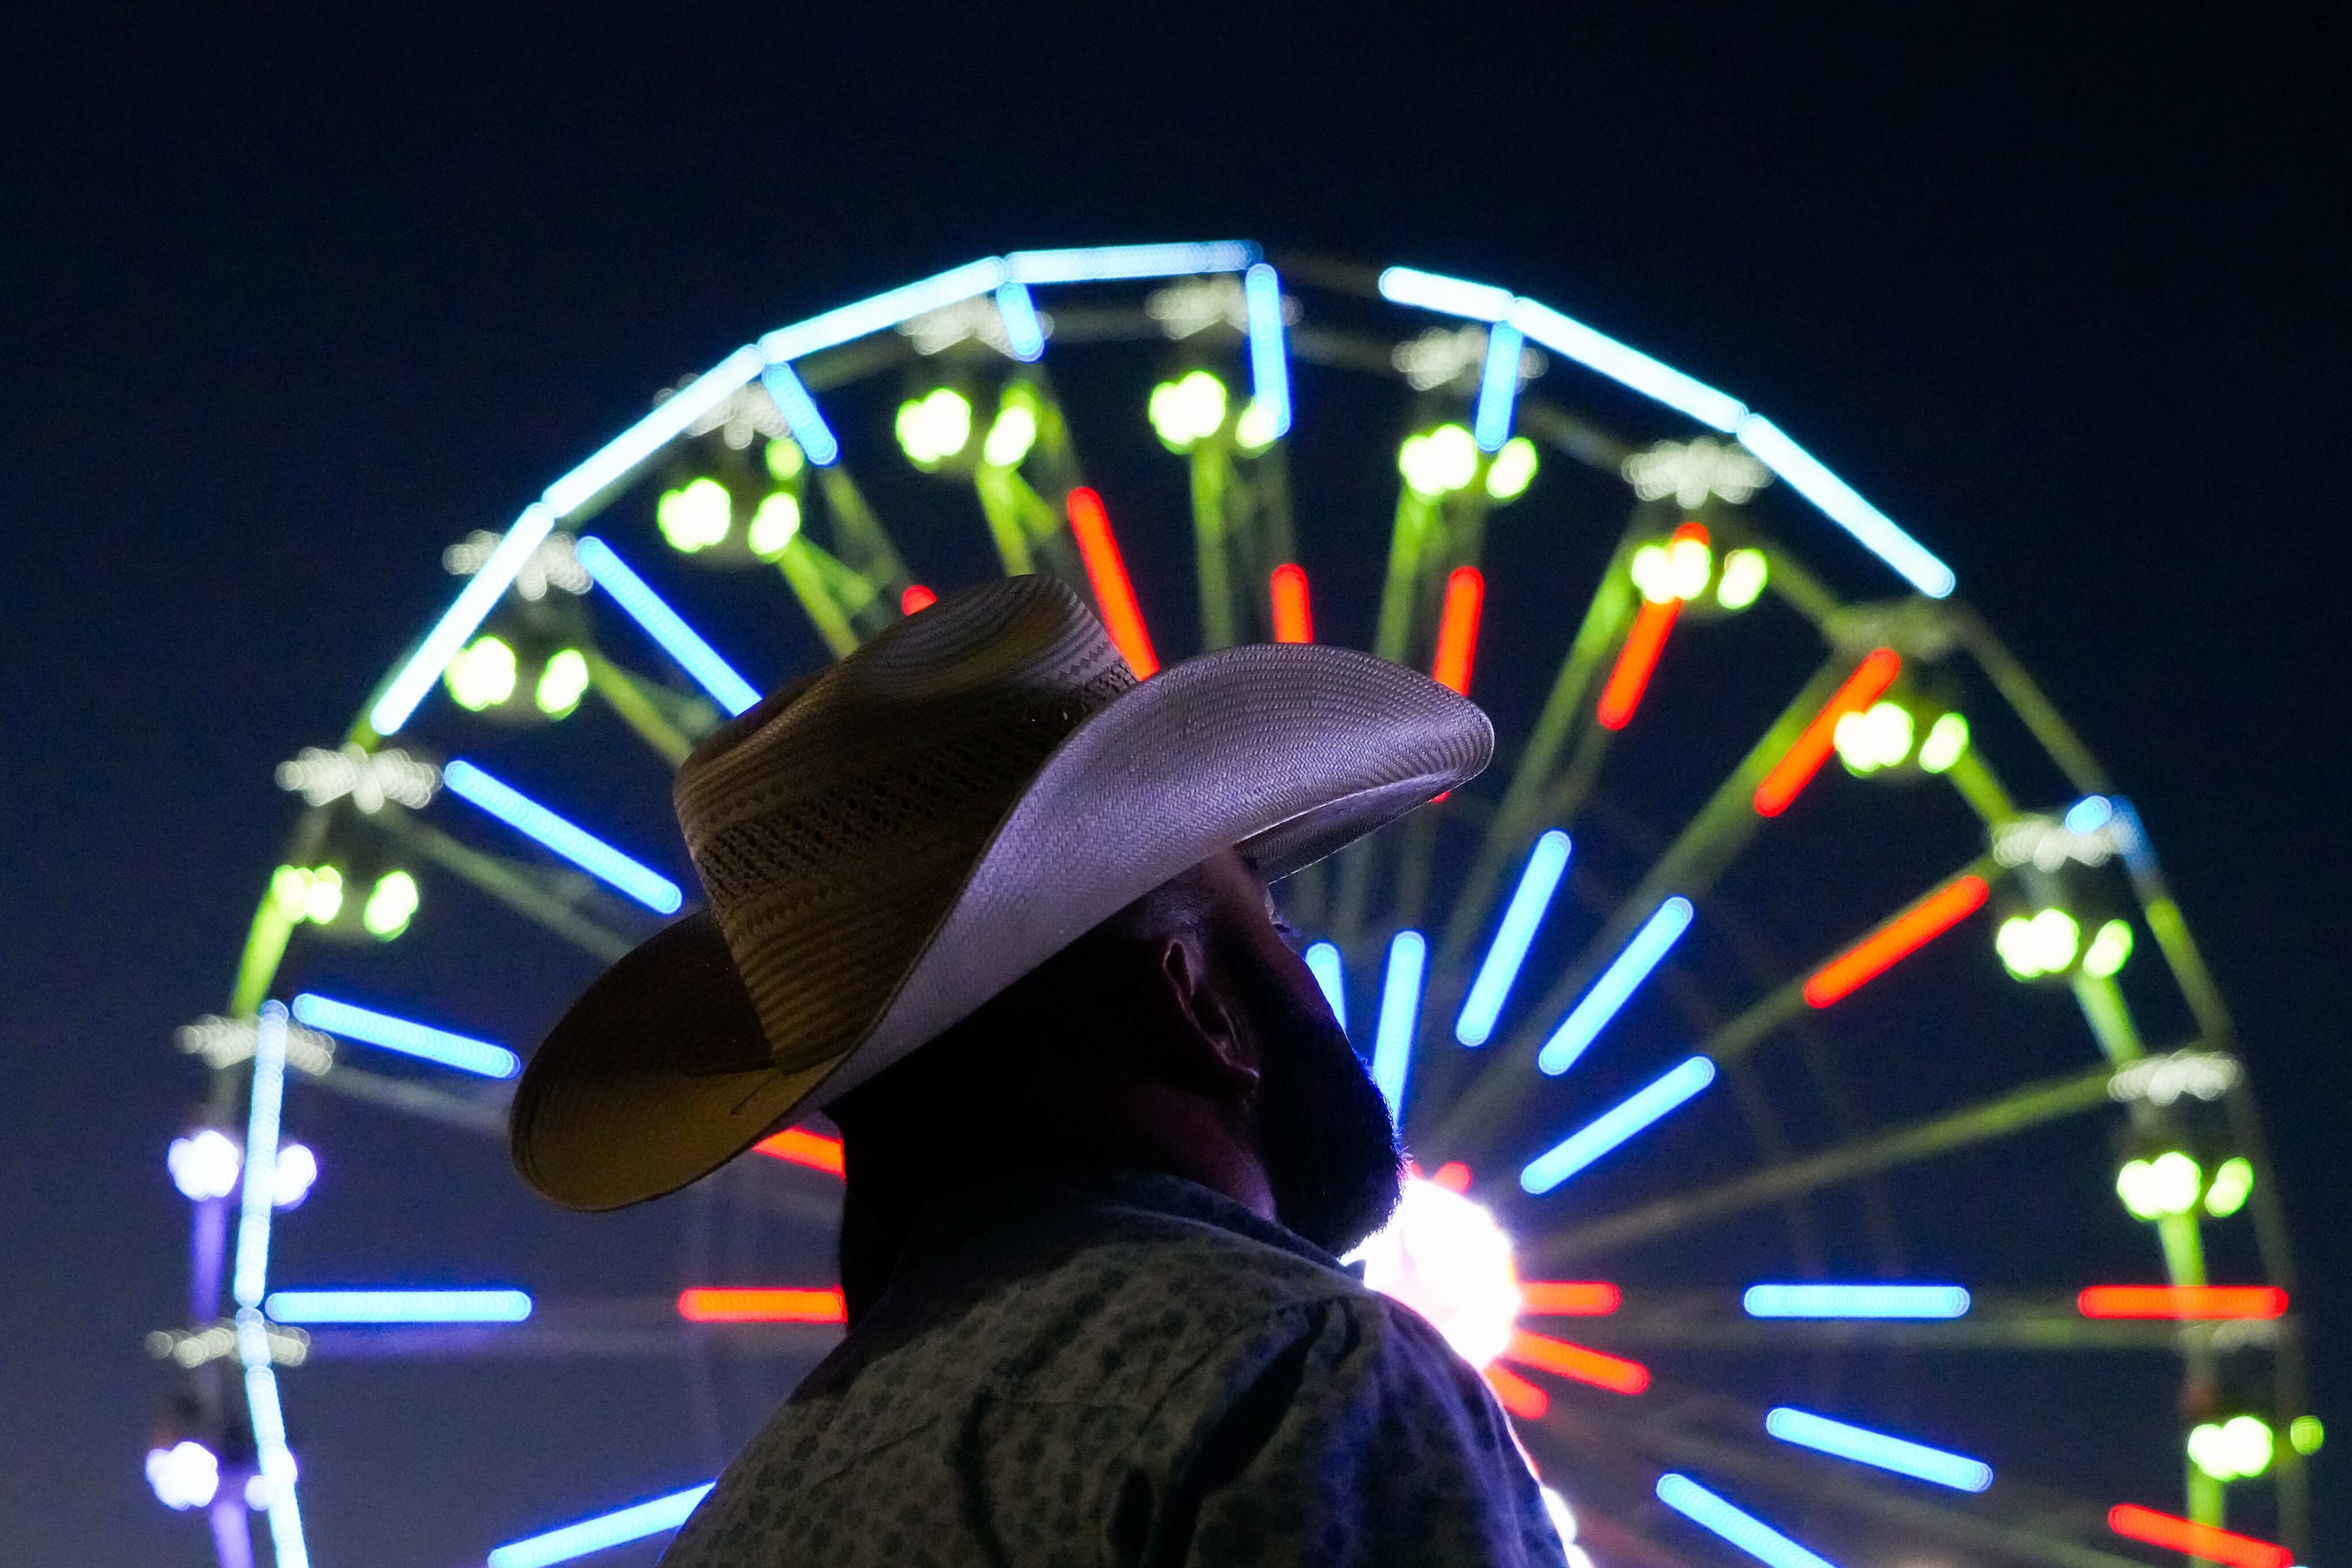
{"points": [[1112, 1368]]}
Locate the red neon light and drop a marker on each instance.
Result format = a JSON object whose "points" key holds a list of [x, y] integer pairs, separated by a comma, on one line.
{"points": [[916, 597], [1867, 960], [1636, 662], [2138, 1523], [802, 1147], [1569, 1298], [1803, 760], [1516, 1393], [1107, 572], [711, 1305], [2182, 1302], [1453, 1176], [1292, 621], [1611, 1372], [1457, 628]]}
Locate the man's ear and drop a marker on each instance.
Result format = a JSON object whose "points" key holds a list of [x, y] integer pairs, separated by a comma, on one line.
{"points": [[1210, 1046]]}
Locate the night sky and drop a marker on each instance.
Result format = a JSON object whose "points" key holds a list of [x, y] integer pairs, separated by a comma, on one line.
{"points": [[291, 304]]}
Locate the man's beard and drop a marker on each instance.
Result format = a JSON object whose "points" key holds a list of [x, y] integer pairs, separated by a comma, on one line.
{"points": [[1322, 1128]]}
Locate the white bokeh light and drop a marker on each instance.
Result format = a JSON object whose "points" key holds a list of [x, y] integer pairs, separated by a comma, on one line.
{"points": [[1444, 1257], [204, 1165], [185, 1476]]}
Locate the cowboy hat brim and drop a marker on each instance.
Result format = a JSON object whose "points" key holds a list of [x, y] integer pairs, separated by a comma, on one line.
{"points": [[655, 1076]]}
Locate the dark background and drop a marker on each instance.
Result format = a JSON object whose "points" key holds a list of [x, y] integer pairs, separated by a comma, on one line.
{"points": [[291, 303]]}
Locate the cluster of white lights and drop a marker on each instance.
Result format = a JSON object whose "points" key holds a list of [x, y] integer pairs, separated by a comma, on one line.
{"points": [[1877, 737], [1442, 358], [745, 414], [186, 1475], [1444, 1256], [936, 332], [936, 426], [1678, 568], [551, 565], [2172, 1184], [2045, 843], [224, 1042], [288, 1346], [2038, 944], [695, 516], [1692, 470], [2235, 1449], [2160, 1080], [369, 778], [1191, 307], [1441, 461]]}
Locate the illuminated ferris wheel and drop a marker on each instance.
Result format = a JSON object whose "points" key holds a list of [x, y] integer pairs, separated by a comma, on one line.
{"points": [[1795, 959]]}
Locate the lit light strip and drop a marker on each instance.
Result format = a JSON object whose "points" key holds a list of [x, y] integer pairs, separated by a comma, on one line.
{"points": [[1811, 749], [1924, 921], [1399, 1018], [1498, 388], [1323, 962], [276, 1458], [249, 1279], [2184, 1301], [799, 411], [1614, 1126], [709, 1304], [1457, 629], [1740, 1528], [1864, 1447], [1294, 618], [882, 311], [1616, 985], [1107, 572], [466, 1055], [398, 1306], [655, 431], [1516, 1393], [2199, 1540], [1105, 263], [1841, 505], [1629, 678], [1614, 1373], [1269, 371], [664, 625], [584, 849], [250, 1274], [1492, 988], [1448, 296], [1628, 366], [801, 1147], [473, 604], [1856, 1301], [595, 1534], [1024, 334], [1570, 1297]]}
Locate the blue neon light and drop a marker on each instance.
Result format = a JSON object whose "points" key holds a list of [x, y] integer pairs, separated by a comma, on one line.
{"points": [[1616, 985], [1023, 333], [1612, 1127], [1400, 1014], [465, 613], [1447, 296], [1867, 1447], [276, 1460], [1269, 371], [1323, 962], [250, 1272], [1102, 263], [1498, 388], [1843, 505], [664, 624], [398, 1306], [1743, 1529], [1495, 975], [460, 1051], [584, 849], [1856, 1301], [800, 411], [595, 1534], [653, 432], [2089, 814], [882, 311], [1628, 366]]}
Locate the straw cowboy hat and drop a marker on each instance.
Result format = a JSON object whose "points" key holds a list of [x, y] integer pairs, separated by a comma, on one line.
{"points": [[889, 843]]}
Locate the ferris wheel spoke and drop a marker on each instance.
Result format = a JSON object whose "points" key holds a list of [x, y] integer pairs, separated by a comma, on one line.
{"points": [[632, 697], [524, 889], [2012, 1113], [484, 1113], [1707, 844]]}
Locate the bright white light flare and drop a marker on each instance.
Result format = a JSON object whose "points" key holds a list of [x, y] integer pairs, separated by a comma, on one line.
{"points": [[1444, 1256]]}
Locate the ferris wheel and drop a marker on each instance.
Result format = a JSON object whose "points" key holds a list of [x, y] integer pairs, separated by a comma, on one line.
{"points": [[1792, 993]]}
